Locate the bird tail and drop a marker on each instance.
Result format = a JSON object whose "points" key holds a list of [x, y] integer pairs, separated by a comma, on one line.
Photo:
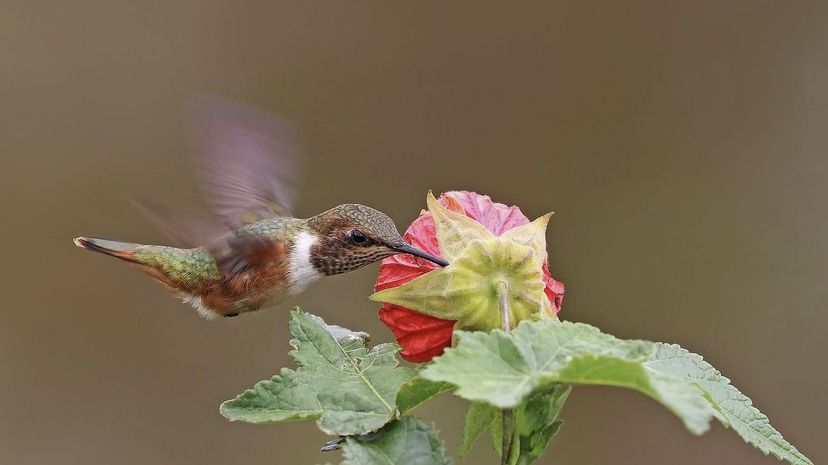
{"points": [[123, 250], [186, 272], [179, 269]]}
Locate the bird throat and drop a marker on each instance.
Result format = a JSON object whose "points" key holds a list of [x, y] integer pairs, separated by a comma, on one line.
{"points": [[303, 269]]}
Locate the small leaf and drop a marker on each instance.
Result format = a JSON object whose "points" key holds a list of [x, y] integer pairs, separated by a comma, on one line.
{"points": [[496, 433], [479, 417], [532, 235], [454, 230], [347, 387], [536, 422], [734, 409], [427, 291], [419, 391], [403, 442], [504, 370]]}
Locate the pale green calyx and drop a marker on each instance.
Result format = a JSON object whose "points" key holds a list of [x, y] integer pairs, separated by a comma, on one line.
{"points": [[466, 290]]}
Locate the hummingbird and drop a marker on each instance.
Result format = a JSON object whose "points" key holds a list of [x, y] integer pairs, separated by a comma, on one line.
{"points": [[251, 252]]}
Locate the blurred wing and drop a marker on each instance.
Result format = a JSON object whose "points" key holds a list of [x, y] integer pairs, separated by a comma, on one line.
{"points": [[233, 251], [235, 254], [187, 228], [247, 160]]}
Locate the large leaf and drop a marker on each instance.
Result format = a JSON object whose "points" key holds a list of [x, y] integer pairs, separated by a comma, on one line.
{"points": [[419, 391], [734, 409], [504, 370], [403, 442], [347, 387]]}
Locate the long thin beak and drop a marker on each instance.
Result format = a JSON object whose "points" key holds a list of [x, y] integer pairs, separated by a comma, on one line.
{"points": [[411, 250]]}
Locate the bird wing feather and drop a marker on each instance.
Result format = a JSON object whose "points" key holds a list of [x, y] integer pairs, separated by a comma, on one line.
{"points": [[249, 165], [247, 159], [185, 226]]}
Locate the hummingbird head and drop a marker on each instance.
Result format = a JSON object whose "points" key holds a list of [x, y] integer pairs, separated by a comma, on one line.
{"points": [[353, 235]]}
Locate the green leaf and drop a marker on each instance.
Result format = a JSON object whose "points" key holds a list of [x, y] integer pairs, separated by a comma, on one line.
{"points": [[479, 417], [504, 370], [532, 234], [347, 387], [403, 442], [734, 409], [419, 391], [536, 422], [496, 433]]}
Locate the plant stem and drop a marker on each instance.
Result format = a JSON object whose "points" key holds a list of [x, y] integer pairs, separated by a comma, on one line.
{"points": [[505, 311], [508, 415]]}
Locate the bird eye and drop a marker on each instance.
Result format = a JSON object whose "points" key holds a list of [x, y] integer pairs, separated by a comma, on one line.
{"points": [[357, 237]]}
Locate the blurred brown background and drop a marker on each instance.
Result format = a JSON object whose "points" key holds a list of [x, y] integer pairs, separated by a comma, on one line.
{"points": [[682, 146]]}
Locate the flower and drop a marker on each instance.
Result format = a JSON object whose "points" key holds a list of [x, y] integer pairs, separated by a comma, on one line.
{"points": [[475, 238]]}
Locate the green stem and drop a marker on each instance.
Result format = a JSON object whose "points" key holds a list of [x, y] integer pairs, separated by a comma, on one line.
{"points": [[505, 311], [508, 415]]}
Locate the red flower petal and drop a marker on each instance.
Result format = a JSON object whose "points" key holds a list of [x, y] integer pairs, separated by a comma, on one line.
{"points": [[496, 217], [554, 289], [399, 269], [423, 337]]}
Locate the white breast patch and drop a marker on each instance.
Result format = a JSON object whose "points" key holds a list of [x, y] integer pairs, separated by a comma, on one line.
{"points": [[198, 304], [302, 272]]}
